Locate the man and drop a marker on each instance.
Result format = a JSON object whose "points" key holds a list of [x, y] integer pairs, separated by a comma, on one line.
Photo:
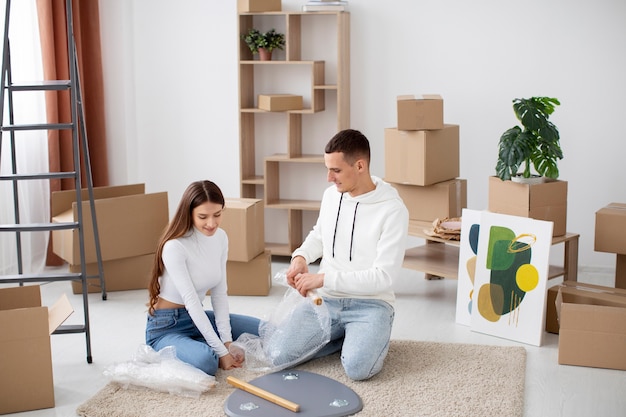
{"points": [[360, 236]]}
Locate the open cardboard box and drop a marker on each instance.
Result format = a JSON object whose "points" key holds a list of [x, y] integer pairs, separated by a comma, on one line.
{"points": [[592, 325], [130, 222], [26, 381]]}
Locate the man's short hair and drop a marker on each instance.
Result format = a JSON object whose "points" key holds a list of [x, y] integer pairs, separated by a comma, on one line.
{"points": [[352, 143]]}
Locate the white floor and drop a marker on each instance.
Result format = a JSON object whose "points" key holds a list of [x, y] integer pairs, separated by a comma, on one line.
{"points": [[425, 310]]}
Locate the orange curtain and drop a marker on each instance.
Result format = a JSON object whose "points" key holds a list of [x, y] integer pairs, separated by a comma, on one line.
{"points": [[53, 32]]}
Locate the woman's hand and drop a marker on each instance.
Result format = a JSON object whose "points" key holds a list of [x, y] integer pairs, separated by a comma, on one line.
{"points": [[229, 362]]}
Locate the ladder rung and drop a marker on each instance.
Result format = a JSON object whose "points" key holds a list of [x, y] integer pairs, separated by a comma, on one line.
{"points": [[43, 126], [41, 176], [49, 85], [44, 277], [37, 227], [70, 328]]}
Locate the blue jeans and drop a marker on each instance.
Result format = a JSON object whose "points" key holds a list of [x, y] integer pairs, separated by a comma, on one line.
{"points": [[174, 327], [360, 329]]}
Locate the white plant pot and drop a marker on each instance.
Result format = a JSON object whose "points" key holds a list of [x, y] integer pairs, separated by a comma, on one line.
{"points": [[534, 179]]}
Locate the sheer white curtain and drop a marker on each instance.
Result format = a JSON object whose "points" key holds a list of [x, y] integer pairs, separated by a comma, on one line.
{"points": [[31, 147]]}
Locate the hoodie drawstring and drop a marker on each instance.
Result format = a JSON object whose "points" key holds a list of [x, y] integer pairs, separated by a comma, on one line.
{"points": [[337, 222]]}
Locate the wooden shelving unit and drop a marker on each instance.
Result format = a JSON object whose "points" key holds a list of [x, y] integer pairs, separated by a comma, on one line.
{"points": [[263, 180], [439, 258]]}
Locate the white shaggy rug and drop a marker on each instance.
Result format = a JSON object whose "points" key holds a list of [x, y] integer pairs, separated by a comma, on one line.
{"points": [[418, 379]]}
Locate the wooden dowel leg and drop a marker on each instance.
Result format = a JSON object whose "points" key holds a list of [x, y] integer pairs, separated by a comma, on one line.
{"points": [[266, 395]]}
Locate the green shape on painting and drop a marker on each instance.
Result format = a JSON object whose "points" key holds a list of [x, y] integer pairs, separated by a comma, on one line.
{"points": [[498, 256]]}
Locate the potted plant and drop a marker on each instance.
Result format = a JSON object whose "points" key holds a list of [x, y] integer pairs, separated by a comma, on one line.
{"points": [[534, 144], [264, 43]]}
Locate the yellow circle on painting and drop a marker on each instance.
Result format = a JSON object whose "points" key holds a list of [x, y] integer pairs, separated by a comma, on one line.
{"points": [[527, 277]]}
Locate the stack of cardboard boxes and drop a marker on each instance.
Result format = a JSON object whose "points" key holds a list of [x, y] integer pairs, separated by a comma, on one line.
{"points": [[591, 319], [422, 159], [130, 223], [249, 265]]}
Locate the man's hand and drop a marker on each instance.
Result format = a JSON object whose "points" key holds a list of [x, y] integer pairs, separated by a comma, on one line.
{"points": [[306, 282], [298, 266]]}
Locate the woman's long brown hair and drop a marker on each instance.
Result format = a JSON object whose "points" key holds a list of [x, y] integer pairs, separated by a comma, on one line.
{"points": [[197, 193]]}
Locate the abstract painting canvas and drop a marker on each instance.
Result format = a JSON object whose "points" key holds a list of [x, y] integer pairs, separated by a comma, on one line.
{"points": [[512, 264], [470, 226]]}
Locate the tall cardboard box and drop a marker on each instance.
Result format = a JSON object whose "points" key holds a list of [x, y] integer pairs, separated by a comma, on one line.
{"points": [[423, 112], [130, 222], [26, 381], [592, 334], [250, 278], [546, 201], [422, 157], [243, 220], [430, 202], [119, 274]]}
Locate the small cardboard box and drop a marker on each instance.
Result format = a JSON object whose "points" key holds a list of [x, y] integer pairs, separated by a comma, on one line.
{"points": [[610, 233], [253, 6], [119, 274], [250, 278], [130, 222], [26, 380], [420, 112], [546, 201], [279, 102], [592, 326], [243, 221], [422, 157], [430, 202]]}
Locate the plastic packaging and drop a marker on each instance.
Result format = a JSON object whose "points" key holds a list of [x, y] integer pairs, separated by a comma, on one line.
{"points": [[160, 371], [281, 342]]}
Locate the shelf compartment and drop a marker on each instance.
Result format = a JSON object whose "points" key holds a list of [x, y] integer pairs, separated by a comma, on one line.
{"points": [[440, 257]]}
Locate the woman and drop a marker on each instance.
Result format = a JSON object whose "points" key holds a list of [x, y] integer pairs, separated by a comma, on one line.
{"points": [[189, 261]]}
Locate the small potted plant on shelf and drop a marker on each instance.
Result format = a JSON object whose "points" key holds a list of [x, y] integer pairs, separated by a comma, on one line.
{"points": [[264, 43], [534, 144]]}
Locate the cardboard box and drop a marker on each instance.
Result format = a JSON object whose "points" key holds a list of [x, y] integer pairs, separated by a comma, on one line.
{"points": [[279, 102], [610, 233], [26, 381], [546, 201], [250, 278], [422, 157], [130, 222], [245, 6], [119, 274], [581, 293], [430, 202], [244, 223], [420, 112], [620, 271], [592, 326]]}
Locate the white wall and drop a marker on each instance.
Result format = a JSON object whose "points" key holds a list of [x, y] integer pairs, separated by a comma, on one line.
{"points": [[171, 87]]}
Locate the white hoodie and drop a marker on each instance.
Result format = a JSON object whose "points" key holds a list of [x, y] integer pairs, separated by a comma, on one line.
{"points": [[361, 241]]}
